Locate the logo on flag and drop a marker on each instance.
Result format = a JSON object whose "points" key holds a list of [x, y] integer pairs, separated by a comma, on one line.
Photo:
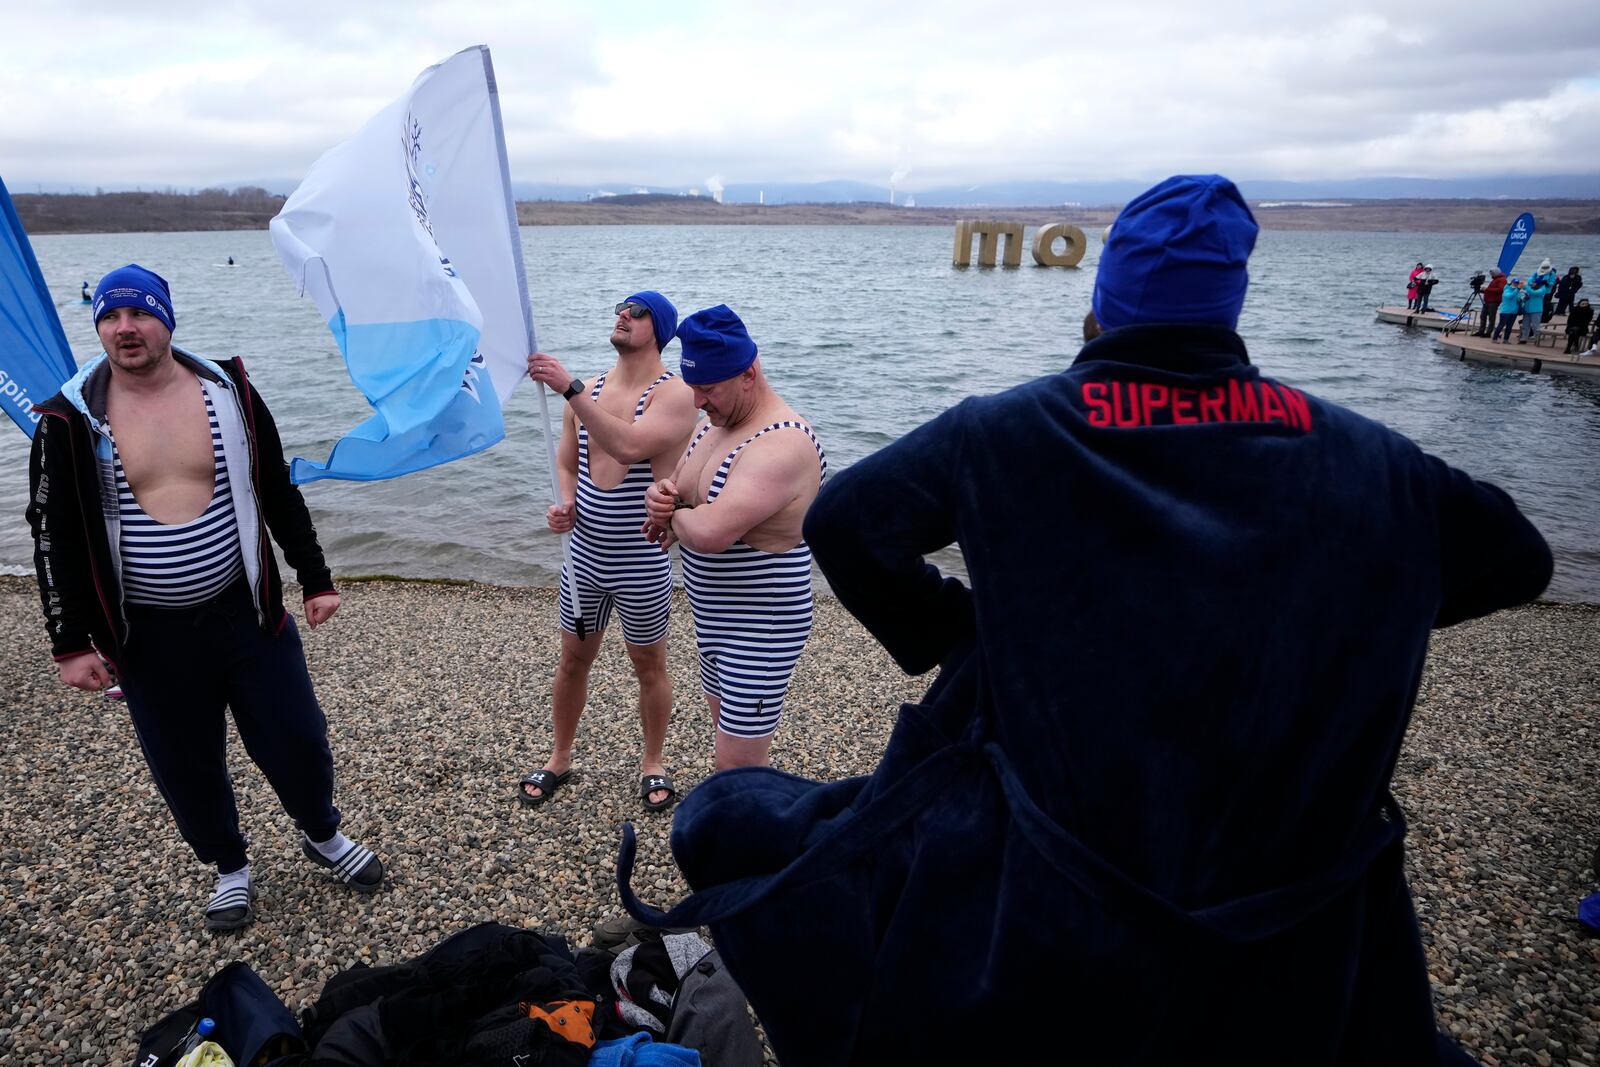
{"points": [[406, 238], [1516, 240], [34, 355]]}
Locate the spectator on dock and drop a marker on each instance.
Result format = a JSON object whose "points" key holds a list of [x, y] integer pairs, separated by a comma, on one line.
{"points": [[1578, 323], [1425, 284], [1491, 300], [1411, 286], [1567, 290], [1545, 277], [1510, 308], [1535, 295]]}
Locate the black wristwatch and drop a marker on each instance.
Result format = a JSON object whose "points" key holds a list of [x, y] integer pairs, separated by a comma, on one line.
{"points": [[574, 389]]}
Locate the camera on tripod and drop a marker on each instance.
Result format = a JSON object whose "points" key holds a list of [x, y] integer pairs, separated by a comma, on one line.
{"points": [[1477, 281]]}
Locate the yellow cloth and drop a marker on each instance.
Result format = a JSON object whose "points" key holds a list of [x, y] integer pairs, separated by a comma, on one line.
{"points": [[206, 1054]]}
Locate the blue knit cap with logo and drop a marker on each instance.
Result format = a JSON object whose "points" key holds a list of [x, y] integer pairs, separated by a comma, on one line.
{"points": [[134, 287], [663, 316], [1177, 253], [716, 346]]}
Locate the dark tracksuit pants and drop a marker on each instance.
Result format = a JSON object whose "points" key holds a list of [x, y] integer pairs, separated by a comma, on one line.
{"points": [[181, 668]]}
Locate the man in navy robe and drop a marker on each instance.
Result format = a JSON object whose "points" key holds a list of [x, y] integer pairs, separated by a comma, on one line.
{"points": [[1143, 813]]}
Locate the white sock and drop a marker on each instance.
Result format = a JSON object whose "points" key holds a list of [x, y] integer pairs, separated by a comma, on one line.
{"points": [[333, 847], [228, 884]]}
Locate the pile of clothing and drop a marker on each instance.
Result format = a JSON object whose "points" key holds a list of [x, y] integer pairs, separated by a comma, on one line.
{"points": [[492, 996]]}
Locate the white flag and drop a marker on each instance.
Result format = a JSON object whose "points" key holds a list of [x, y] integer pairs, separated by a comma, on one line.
{"points": [[406, 237]]}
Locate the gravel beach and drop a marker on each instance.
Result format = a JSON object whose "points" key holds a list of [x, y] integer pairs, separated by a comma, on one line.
{"points": [[437, 695]]}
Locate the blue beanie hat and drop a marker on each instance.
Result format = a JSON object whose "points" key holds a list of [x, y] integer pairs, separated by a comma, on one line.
{"points": [[716, 346], [134, 287], [1177, 253], [663, 316]]}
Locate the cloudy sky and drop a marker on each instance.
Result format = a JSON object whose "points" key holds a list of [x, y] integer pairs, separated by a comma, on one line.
{"points": [[200, 93]]}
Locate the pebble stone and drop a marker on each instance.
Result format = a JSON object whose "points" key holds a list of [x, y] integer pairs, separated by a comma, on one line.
{"points": [[437, 699]]}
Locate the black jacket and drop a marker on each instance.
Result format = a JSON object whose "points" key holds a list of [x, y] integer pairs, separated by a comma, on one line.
{"points": [[78, 583], [1579, 318]]}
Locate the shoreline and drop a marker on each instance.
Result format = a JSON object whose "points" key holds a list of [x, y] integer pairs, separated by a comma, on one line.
{"points": [[67, 213], [437, 698]]}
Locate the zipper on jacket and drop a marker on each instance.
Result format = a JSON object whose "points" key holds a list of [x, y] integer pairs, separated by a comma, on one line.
{"points": [[242, 399], [94, 570]]}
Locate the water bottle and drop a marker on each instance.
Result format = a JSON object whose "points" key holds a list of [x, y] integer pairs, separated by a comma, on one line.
{"points": [[202, 1033], [201, 1050]]}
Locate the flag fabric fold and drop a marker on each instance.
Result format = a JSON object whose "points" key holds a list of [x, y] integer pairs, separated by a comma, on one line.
{"points": [[406, 238], [34, 355], [1516, 240]]}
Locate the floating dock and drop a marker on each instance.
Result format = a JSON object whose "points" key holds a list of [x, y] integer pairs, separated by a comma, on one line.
{"points": [[1434, 319], [1541, 355]]}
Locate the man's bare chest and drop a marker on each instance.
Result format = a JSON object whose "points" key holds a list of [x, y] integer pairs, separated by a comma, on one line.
{"points": [[164, 442], [701, 468]]}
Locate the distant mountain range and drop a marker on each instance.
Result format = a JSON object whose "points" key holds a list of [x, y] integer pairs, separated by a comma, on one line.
{"points": [[1020, 193]]}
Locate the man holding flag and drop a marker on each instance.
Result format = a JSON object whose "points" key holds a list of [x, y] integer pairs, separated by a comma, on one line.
{"points": [[172, 587], [617, 438]]}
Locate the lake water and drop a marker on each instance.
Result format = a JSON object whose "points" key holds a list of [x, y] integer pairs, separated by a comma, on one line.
{"points": [[868, 331]]}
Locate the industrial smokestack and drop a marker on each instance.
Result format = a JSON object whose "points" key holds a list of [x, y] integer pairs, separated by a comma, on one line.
{"points": [[714, 187]]}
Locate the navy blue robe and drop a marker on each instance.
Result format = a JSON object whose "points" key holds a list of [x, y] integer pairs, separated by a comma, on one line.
{"points": [[1143, 813]]}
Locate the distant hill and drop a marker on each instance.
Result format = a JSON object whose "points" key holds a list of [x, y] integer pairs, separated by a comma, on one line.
{"points": [[252, 209], [1088, 194], [1091, 194]]}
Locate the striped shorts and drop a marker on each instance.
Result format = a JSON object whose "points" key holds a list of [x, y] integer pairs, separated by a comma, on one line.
{"points": [[752, 616]]}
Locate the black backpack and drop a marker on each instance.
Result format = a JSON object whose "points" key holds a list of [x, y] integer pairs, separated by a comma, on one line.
{"points": [[254, 1027]]}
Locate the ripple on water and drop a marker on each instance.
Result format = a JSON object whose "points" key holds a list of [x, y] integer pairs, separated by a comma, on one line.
{"points": [[867, 331]]}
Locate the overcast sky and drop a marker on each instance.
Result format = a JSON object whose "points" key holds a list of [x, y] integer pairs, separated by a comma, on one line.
{"points": [[201, 93]]}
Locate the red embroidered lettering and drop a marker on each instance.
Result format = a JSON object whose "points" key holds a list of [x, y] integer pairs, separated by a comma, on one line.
{"points": [[1272, 405], [1299, 410], [1183, 405], [1094, 398], [1242, 403], [1153, 396], [1118, 416], [1211, 402]]}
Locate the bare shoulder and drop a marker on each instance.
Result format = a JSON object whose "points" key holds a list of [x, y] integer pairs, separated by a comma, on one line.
{"points": [[674, 392], [672, 403], [786, 450]]}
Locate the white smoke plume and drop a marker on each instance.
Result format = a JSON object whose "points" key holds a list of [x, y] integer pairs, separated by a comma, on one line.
{"points": [[714, 187], [895, 179]]}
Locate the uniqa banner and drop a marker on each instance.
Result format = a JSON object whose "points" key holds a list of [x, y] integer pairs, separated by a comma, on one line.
{"points": [[34, 355], [1516, 240], [406, 238]]}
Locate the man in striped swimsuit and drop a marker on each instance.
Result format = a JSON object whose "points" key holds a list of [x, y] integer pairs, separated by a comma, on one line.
{"points": [[175, 592], [735, 503], [617, 438]]}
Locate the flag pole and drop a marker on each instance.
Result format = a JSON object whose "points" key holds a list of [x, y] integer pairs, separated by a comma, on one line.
{"points": [[555, 498], [533, 340]]}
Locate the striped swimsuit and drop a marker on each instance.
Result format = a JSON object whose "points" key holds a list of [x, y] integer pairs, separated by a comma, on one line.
{"points": [[613, 562], [188, 563], [752, 614]]}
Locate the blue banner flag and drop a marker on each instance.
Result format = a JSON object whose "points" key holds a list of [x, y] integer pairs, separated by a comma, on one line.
{"points": [[1516, 240], [34, 355], [406, 237]]}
